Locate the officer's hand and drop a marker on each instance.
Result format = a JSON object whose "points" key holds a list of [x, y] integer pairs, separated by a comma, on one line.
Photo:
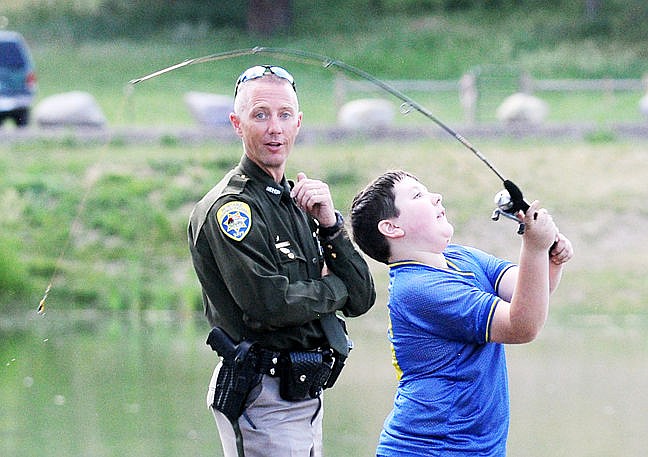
{"points": [[314, 197], [325, 271]]}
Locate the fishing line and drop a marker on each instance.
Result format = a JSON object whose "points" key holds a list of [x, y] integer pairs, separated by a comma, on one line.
{"points": [[57, 265], [80, 208], [327, 62], [509, 201]]}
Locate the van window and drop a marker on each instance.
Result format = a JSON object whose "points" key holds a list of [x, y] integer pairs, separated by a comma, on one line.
{"points": [[10, 56]]}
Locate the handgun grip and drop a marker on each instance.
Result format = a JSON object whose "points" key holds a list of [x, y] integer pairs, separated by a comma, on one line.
{"points": [[220, 342]]}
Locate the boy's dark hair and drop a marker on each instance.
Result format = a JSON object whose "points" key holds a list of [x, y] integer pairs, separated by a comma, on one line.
{"points": [[372, 205]]}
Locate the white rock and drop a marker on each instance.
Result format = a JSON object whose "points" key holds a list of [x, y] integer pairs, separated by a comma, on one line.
{"points": [[643, 105], [78, 109], [209, 109], [366, 113], [523, 108]]}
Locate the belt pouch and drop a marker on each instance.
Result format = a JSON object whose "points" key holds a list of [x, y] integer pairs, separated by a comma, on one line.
{"points": [[303, 374]]}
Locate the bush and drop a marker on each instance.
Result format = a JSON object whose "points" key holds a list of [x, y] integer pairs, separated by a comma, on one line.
{"points": [[13, 273], [127, 19], [108, 19]]}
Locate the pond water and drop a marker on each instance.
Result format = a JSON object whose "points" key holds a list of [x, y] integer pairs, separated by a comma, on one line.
{"points": [[100, 385]]}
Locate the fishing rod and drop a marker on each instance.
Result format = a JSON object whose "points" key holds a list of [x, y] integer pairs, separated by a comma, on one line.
{"points": [[508, 201]]}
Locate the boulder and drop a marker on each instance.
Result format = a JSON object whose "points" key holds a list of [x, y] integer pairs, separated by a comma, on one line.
{"points": [[366, 113], [69, 109], [209, 110], [523, 108], [643, 105]]}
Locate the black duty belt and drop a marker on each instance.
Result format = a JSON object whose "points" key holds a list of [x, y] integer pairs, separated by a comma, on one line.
{"points": [[268, 362]]}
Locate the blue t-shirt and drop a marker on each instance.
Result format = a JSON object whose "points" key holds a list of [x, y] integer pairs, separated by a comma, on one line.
{"points": [[452, 397]]}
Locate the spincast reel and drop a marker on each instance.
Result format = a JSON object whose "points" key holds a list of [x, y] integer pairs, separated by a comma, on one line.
{"points": [[509, 202]]}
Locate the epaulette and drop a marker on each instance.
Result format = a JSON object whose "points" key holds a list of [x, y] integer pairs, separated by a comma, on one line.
{"points": [[235, 185], [232, 186]]}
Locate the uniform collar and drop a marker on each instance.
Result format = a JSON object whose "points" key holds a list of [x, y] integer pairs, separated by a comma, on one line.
{"points": [[276, 191]]}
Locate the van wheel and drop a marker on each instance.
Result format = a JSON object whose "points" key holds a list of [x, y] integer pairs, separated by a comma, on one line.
{"points": [[21, 117]]}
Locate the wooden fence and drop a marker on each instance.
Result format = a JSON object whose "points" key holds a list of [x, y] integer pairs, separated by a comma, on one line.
{"points": [[472, 85]]}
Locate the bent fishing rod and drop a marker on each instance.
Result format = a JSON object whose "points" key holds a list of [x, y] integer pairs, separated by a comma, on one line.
{"points": [[508, 201]]}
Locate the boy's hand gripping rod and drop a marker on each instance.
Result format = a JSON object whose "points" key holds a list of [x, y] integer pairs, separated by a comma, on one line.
{"points": [[509, 201]]}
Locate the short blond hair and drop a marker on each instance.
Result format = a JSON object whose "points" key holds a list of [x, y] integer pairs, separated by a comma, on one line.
{"points": [[242, 99]]}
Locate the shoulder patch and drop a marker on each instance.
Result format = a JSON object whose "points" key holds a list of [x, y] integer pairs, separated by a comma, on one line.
{"points": [[235, 219]]}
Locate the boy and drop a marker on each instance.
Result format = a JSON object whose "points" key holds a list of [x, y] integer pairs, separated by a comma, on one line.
{"points": [[451, 307]]}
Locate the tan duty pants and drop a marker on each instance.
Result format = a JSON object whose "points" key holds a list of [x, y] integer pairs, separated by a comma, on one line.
{"points": [[270, 425]]}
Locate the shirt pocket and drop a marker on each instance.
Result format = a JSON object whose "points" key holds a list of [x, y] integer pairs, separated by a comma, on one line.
{"points": [[292, 263]]}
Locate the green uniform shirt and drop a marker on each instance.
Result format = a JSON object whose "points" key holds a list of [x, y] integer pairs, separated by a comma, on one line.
{"points": [[259, 262]]}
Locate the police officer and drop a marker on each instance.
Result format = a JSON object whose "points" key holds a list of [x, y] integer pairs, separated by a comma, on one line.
{"points": [[276, 265]]}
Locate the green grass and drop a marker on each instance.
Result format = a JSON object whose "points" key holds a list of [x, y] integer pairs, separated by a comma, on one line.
{"points": [[108, 222], [127, 246], [104, 70]]}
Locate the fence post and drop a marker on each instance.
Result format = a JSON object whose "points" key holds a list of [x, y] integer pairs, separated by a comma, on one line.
{"points": [[339, 91], [526, 83], [468, 96], [608, 89]]}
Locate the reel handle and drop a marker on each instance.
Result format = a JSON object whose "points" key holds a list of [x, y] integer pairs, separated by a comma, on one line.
{"points": [[509, 201], [516, 197]]}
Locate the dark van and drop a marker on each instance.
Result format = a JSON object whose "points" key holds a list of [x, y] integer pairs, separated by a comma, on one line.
{"points": [[17, 78]]}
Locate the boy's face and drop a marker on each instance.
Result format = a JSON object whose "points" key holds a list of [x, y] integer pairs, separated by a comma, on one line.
{"points": [[422, 216]]}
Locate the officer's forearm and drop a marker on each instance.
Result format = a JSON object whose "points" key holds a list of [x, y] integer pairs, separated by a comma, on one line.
{"points": [[344, 261]]}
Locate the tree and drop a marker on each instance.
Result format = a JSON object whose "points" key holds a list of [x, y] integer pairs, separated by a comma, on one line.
{"points": [[592, 9], [268, 17]]}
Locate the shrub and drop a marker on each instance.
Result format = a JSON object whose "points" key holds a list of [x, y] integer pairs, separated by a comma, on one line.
{"points": [[13, 273]]}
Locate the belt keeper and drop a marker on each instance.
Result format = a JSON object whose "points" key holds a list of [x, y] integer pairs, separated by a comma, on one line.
{"points": [[273, 370], [269, 362]]}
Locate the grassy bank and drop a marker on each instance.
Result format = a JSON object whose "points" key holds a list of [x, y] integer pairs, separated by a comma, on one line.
{"points": [[104, 70], [127, 247]]}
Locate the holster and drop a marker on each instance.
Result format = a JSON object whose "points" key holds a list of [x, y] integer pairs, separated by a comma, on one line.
{"points": [[238, 373], [338, 363]]}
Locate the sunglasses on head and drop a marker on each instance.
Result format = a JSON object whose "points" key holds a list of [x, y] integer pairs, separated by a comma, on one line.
{"points": [[261, 70]]}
